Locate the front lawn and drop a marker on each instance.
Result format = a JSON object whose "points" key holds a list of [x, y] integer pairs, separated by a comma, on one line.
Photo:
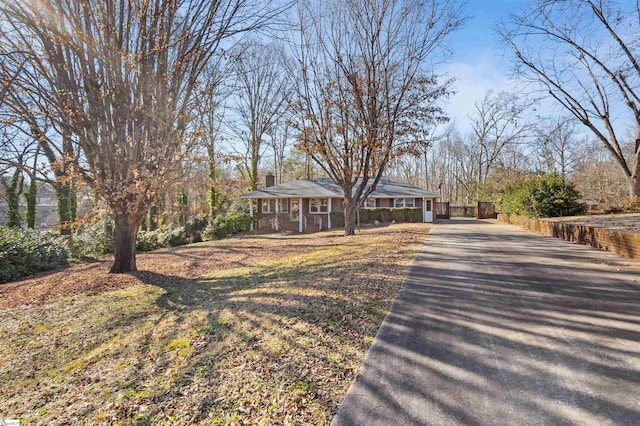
{"points": [[249, 330]]}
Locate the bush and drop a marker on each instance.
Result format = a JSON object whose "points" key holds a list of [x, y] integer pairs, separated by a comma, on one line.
{"points": [[23, 253], [178, 237], [366, 216], [337, 219], [414, 215], [399, 215], [382, 215], [194, 228], [94, 239], [630, 205], [226, 225], [152, 240], [541, 196]]}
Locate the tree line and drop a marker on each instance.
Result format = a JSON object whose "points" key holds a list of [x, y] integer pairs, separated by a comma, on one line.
{"points": [[167, 109]]}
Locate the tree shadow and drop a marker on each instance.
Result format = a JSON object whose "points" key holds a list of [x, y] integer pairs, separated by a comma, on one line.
{"points": [[508, 327]]}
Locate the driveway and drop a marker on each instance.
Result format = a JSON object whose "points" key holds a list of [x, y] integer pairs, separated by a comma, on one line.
{"points": [[495, 325]]}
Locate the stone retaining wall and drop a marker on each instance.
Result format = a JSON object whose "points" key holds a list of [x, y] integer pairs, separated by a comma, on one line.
{"points": [[623, 243]]}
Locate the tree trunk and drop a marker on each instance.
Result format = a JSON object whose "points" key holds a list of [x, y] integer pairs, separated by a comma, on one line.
{"points": [[635, 175], [350, 213], [124, 241], [12, 192], [154, 218], [30, 197], [213, 193], [63, 196], [73, 203]]}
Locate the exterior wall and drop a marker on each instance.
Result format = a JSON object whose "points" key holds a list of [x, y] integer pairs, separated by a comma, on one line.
{"points": [[389, 202], [622, 243], [384, 202], [337, 204]]}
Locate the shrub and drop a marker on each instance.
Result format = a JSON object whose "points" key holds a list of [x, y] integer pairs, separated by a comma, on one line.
{"points": [[93, 239], [226, 225], [238, 205], [541, 196], [399, 215], [414, 215], [630, 205], [178, 237], [26, 252], [382, 215], [337, 219], [194, 229], [152, 240], [366, 216]]}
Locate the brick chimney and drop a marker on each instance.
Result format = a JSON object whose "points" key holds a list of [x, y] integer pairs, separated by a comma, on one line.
{"points": [[269, 180]]}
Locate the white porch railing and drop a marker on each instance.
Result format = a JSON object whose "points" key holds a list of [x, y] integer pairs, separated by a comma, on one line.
{"points": [[304, 222], [262, 223], [317, 220]]}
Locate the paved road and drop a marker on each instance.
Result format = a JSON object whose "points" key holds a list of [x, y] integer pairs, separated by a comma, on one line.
{"points": [[497, 326]]}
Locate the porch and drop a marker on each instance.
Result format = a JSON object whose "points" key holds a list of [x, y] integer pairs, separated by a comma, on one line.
{"points": [[295, 214], [285, 222]]}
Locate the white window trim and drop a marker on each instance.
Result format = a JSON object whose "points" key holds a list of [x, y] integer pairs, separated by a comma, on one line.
{"points": [[404, 203], [268, 201], [319, 205], [370, 200], [283, 205]]}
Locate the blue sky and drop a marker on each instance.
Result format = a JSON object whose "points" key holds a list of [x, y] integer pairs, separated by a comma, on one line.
{"points": [[477, 62]]}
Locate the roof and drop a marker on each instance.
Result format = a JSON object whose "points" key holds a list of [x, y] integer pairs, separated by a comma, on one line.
{"points": [[324, 188]]}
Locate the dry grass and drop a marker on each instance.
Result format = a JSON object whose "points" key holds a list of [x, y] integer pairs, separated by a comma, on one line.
{"points": [[252, 330]]}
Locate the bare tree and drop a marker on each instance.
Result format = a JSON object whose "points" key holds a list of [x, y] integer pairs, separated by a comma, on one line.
{"points": [[123, 76], [558, 146], [584, 54], [365, 85], [210, 118], [498, 123], [263, 90], [279, 141]]}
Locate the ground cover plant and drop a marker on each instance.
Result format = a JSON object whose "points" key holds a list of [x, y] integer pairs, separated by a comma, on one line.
{"points": [[266, 329]]}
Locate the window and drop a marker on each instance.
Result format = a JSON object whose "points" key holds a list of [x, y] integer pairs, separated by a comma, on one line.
{"points": [[404, 202], [370, 203], [427, 205], [318, 205], [283, 205], [268, 206]]}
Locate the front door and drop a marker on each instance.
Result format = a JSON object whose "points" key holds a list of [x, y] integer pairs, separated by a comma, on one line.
{"points": [[428, 210]]}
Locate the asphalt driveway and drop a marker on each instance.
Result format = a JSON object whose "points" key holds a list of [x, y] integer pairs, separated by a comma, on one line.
{"points": [[496, 325]]}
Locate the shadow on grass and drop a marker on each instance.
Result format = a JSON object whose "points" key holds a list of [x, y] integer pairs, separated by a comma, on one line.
{"points": [[310, 314]]}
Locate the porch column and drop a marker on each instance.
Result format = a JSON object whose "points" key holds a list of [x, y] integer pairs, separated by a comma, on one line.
{"points": [[300, 213], [251, 213], [277, 223], [329, 214], [424, 210]]}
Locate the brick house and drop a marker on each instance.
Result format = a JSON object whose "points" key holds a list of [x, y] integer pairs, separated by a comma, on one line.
{"points": [[305, 205]]}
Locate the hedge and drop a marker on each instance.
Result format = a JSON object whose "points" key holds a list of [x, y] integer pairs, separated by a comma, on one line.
{"points": [[337, 219], [541, 196], [382, 215], [226, 225], [24, 253]]}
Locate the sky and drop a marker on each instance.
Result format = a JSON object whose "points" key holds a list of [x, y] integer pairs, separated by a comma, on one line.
{"points": [[477, 63]]}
